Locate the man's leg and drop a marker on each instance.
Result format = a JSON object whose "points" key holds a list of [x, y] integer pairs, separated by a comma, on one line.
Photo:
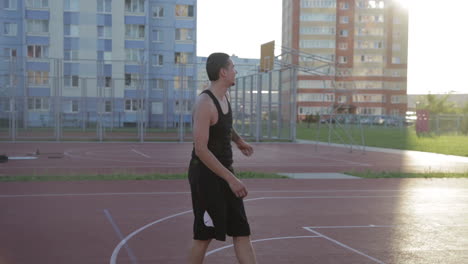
{"points": [[198, 250], [244, 250]]}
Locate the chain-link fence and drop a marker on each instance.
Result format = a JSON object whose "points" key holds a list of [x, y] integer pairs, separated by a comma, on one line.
{"points": [[86, 100]]}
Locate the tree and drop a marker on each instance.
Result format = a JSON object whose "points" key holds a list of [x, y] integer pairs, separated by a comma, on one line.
{"points": [[438, 104]]}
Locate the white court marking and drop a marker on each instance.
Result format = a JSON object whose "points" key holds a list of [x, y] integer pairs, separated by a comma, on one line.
{"points": [[22, 158], [80, 153], [343, 245], [260, 240], [113, 259], [142, 154]]}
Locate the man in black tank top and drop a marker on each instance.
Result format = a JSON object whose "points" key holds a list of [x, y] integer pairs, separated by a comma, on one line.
{"points": [[216, 192]]}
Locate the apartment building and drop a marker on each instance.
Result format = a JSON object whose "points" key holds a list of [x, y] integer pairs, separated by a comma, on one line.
{"points": [[83, 58], [366, 44]]}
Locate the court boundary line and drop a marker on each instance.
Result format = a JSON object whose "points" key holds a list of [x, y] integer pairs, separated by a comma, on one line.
{"points": [[130, 253], [115, 252], [258, 240], [344, 245]]}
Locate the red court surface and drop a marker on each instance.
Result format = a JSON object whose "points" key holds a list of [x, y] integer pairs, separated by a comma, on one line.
{"points": [[95, 158], [292, 221]]}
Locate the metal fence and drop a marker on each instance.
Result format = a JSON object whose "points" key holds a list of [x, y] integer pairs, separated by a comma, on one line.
{"points": [[264, 105], [130, 105]]}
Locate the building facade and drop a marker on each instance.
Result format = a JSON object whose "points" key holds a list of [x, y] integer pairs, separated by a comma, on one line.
{"points": [[366, 44], [123, 61]]}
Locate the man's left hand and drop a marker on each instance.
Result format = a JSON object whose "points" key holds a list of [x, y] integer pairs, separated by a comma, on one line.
{"points": [[245, 148]]}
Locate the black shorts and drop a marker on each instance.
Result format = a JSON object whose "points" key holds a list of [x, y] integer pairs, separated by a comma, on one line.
{"points": [[217, 210]]}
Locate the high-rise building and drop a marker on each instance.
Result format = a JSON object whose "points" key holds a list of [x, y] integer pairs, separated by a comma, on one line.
{"points": [[366, 42], [85, 57]]}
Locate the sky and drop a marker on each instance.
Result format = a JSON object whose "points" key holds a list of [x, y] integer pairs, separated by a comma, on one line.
{"points": [[437, 56]]}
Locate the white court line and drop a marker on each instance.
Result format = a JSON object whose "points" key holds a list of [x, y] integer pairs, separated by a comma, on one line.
{"points": [[260, 240], [119, 234], [113, 258], [115, 253], [340, 227], [343, 245], [138, 152]]}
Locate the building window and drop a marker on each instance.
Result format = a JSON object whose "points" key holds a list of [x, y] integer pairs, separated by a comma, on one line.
{"points": [[157, 35], [183, 58], [37, 3], [344, 19], [131, 80], [134, 55], [10, 4], [135, 6], [398, 99], [318, 17], [396, 60], [71, 81], [107, 81], [9, 53], [343, 33], [37, 26], [342, 59], [71, 30], [38, 78], [38, 104], [135, 31], [395, 112], [182, 82], [157, 84], [104, 32], [344, 5], [38, 51], [74, 106], [104, 55], [108, 106], [343, 45], [184, 34], [184, 11], [134, 104], [104, 6], [318, 4], [10, 29], [369, 98], [72, 5], [158, 11], [317, 30], [158, 60], [70, 55]]}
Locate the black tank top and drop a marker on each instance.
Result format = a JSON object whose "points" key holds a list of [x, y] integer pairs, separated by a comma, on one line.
{"points": [[219, 141]]}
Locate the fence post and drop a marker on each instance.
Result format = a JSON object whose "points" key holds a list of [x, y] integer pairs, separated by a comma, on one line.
{"points": [[259, 108]]}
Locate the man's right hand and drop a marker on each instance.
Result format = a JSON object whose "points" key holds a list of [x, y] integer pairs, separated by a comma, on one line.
{"points": [[237, 187]]}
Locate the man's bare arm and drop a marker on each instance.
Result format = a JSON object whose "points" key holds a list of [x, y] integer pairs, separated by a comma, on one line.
{"points": [[243, 146], [201, 127], [234, 136]]}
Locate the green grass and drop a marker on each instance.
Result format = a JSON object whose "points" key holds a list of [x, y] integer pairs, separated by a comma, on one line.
{"points": [[390, 137], [127, 177], [384, 174]]}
